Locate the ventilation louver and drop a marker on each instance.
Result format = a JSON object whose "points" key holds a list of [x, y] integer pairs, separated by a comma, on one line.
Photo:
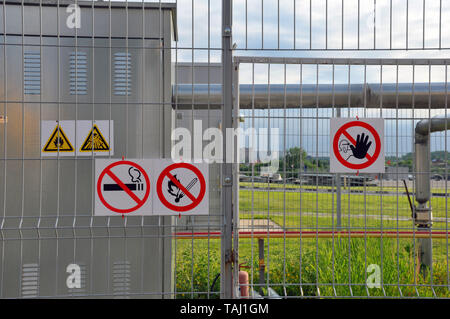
{"points": [[78, 73], [122, 73]]}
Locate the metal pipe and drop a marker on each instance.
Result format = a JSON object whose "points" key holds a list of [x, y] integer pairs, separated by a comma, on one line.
{"points": [[423, 213], [261, 265], [438, 123], [211, 94], [423, 154], [320, 234]]}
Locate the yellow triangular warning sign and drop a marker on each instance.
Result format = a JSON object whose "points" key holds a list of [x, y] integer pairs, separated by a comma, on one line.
{"points": [[58, 141], [95, 142]]}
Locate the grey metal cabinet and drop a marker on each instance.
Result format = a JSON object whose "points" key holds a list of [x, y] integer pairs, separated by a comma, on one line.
{"points": [[117, 67]]}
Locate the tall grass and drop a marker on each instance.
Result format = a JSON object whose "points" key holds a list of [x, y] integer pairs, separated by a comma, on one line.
{"points": [[295, 267]]}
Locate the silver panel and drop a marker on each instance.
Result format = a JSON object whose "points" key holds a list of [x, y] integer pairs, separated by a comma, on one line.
{"points": [[123, 21], [47, 217]]}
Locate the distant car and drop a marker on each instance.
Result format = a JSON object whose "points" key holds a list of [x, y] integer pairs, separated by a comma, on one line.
{"points": [[293, 180], [298, 181], [437, 177], [411, 177], [257, 179], [276, 178], [244, 178]]}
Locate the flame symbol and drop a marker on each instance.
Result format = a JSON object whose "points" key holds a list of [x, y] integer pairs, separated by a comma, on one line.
{"points": [[170, 188], [179, 194], [58, 142]]}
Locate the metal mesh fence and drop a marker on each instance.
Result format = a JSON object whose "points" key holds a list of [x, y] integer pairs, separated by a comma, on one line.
{"points": [[143, 68], [64, 63], [324, 234]]}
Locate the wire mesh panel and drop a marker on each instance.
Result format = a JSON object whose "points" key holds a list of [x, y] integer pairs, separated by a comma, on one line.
{"points": [[305, 232], [117, 67], [66, 63], [144, 75], [307, 25]]}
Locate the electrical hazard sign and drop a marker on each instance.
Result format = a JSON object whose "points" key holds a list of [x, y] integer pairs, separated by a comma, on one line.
{"points": [[181, 188], [57, 138], [357, 145], [123, 187]]}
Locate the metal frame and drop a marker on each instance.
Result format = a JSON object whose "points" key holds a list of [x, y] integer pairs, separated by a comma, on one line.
{"points": [[337, 231]]}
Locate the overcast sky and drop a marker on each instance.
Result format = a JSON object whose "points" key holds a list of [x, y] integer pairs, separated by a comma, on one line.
{"points": [[261, 27]]}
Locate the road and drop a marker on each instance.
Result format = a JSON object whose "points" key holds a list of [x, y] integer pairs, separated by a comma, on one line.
{"points": [[401, 191], [371, 216]]}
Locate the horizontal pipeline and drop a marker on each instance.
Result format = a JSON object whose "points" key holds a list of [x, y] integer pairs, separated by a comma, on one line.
{"points": [[318, 234], [263, 96]]}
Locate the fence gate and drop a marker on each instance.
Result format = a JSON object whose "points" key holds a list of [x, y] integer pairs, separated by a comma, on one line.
{"points": [[302, 230]]}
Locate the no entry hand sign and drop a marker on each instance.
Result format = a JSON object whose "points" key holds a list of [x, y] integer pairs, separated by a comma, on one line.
{"points": [[357, 145], [122, 187], [150, 187]]}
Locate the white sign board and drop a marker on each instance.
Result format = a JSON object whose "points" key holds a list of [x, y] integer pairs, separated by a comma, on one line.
{"points": [[181, 189], [58, 138], [123, 187], [92, 137], [357, 145], [150, 187], [95, 137]]}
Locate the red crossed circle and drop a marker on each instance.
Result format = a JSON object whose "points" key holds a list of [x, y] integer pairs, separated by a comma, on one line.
{"points": [[343, 131], [195, 201], [139, 201]]}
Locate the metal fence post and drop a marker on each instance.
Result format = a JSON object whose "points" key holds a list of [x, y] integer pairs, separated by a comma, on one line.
{"points": [[261, 265], [227, 115], [235, 188], [338, 189]]}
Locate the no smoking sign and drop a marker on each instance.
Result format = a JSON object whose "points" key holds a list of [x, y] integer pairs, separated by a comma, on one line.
{"points": [[122, 187], [357, 145]]}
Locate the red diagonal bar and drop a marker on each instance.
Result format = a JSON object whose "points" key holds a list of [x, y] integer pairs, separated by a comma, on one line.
{"points": [[123, 186], [183, 189], [352, 140]]}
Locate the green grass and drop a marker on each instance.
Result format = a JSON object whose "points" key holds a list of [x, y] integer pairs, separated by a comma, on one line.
{"points": [[367, 188], [329, 267], [292, 204], [301, 269]]}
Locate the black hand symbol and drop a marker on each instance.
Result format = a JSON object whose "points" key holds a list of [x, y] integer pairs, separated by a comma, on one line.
{"points": [[362, 146]]}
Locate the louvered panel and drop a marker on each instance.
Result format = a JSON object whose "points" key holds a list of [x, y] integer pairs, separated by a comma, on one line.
{"points": [[121, 278], [78, 73], [32, 73], [30, 280], [122, 73]]}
